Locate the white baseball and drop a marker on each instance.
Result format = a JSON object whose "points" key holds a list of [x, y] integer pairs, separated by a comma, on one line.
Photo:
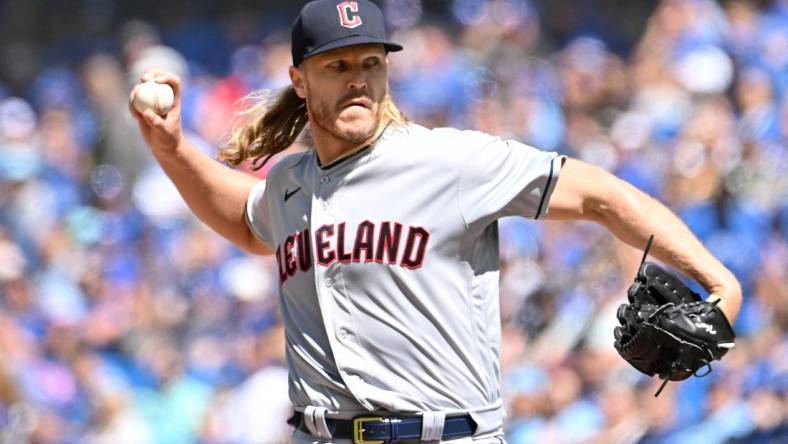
{"points": [[156, 96]]}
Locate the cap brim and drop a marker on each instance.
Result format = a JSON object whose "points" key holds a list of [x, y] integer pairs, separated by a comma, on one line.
{"points": [[351, 41]]}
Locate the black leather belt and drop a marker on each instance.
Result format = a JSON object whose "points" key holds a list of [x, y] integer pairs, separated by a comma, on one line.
{"points": [[375, 429]]}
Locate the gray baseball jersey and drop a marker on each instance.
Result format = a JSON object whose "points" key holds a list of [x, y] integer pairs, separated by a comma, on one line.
{"points": [[388, 267]]}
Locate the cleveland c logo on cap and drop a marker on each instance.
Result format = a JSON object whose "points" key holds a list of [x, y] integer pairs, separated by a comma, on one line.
{"points": [[348, 14]]}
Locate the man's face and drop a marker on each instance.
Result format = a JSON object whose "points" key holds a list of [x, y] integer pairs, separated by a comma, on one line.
{"points": [[344, 90]]}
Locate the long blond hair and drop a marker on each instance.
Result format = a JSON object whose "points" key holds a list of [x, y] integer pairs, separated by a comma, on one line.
{"points": [[273, 122]]}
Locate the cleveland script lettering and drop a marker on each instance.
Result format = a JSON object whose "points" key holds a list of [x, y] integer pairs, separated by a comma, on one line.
{"points": [[383, 243]]}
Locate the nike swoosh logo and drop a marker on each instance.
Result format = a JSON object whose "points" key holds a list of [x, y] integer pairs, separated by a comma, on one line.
{"points": [[289, 194]]}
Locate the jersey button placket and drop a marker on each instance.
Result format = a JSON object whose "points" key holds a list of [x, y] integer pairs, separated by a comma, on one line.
{"points": [[325, 179], [338, 327]]}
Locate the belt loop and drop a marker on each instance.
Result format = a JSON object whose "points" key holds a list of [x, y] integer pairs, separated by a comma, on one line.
{"points": [[432, 425], [315, 420]]}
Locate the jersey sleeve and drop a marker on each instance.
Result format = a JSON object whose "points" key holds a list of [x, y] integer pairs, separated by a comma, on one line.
{"points": [[506, 178], [255, 211]]}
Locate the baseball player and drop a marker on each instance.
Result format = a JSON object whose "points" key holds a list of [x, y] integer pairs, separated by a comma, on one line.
{"points": [[386, 238]]}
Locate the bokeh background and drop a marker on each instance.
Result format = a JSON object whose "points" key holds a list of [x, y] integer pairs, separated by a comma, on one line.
{"points": [[123, 319]]}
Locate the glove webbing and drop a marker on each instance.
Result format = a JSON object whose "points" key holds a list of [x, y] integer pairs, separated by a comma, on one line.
{"points": [[706, 364]]}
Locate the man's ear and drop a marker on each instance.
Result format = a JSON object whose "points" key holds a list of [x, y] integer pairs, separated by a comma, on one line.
{"points": [[298, 81]]}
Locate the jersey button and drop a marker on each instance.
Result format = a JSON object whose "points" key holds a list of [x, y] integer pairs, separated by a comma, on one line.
{"points": [[325, 179], [342, 333], [329, 282]]}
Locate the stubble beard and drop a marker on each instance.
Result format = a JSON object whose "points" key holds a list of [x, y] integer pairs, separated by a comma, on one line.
{"points": [[324, 116]]}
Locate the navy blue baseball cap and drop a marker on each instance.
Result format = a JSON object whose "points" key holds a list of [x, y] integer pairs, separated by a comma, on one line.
{"points": [[323, 25]]}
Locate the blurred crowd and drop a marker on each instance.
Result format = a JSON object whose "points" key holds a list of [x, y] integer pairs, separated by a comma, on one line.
{"points": [[123, 319]]}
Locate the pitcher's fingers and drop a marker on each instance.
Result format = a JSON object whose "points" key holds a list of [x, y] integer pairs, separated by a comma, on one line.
{"points": [[153, 119], [175, 83]]}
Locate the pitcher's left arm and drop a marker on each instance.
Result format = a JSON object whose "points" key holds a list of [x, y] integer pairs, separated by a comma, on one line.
{"points": [[586, 192]]}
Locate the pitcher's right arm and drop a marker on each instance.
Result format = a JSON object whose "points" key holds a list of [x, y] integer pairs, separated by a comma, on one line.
{"points": [[215, 193]]}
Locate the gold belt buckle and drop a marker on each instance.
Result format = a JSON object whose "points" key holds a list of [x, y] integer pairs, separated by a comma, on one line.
{"points": [[358, 429]]}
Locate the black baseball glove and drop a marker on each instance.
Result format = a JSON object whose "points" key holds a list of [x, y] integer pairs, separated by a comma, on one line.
{"points": [[667, 330]]}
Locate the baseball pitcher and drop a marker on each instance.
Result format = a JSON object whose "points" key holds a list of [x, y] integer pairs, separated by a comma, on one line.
{"points": [[386, 240]]}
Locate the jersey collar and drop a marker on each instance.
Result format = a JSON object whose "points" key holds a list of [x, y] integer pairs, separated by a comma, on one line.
{"points": [[341, 160]]}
